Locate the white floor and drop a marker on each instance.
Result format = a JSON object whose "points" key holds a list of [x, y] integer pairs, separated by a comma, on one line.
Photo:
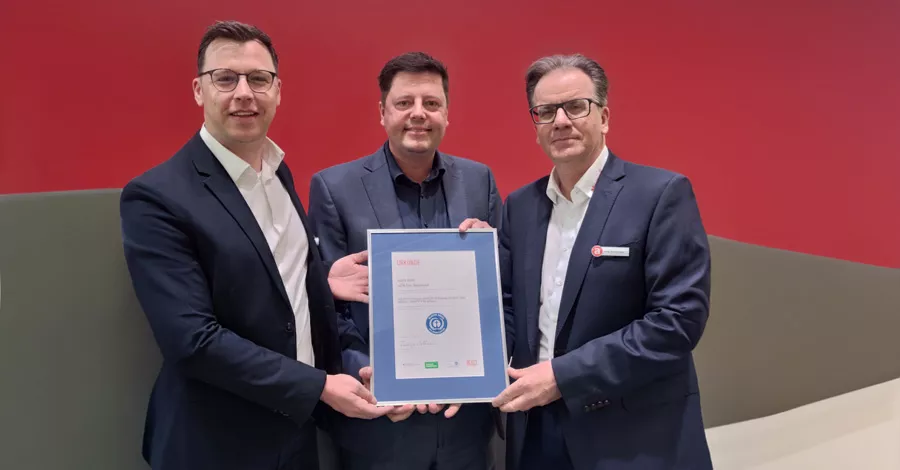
{"points": [[856, 431]]}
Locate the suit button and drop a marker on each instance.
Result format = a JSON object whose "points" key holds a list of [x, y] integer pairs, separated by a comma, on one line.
{"points": [[289, 327], [587, 408]]}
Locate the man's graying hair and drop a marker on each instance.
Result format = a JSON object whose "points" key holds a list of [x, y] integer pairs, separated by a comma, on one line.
{"points": [[545, 65]]}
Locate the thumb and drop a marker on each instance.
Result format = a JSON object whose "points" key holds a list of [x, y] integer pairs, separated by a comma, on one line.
{"points": [[365, 394], [360, 257], [365, 373], [515, 373]]}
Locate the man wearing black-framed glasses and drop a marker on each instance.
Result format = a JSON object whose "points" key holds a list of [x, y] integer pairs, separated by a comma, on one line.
{"points": [[605, 270], [227, 80], [574, 109], [227, 272]]}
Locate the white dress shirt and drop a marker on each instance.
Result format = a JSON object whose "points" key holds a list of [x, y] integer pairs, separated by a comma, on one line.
{"points": [[278, 219], [565, 221]]}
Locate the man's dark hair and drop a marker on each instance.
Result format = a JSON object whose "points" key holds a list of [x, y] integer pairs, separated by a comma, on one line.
{"points": [[412, 62], [234, 31]]}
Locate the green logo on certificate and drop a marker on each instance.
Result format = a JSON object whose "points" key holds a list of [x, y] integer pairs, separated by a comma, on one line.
{"points": [[431, 365]]}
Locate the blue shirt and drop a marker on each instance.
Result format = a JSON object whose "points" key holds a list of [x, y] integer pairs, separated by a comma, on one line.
{"points": [[420, 205]]}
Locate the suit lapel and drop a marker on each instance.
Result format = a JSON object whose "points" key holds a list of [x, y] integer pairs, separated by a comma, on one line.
{"points": [[380, 190], [316, 289], [536, 240], [606, 190], [313, 252], [223, 188], [457, 209]]}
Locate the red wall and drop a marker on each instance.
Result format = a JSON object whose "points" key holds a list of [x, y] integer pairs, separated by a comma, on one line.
{"points": [[783, 113]]}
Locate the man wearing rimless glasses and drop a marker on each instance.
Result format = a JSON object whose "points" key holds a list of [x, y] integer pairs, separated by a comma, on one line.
{"points": [[605, 274]]}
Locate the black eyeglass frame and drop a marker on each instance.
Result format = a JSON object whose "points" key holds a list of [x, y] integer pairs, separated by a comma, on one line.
{"points": [[556, 106], [239, 75]]}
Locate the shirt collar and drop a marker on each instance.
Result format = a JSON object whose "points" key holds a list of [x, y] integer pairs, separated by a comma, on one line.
{"points": [[235, 166], [437, 166], [584, 188]]}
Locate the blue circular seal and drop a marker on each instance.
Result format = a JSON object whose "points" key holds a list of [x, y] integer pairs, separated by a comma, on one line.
{"points": [[436, 323]]}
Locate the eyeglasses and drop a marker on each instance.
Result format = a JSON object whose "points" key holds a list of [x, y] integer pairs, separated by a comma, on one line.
{"points": [[574, 109], [259, 81]]}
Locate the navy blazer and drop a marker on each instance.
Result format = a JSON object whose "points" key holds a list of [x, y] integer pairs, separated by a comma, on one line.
{"points": [[230, 394], [344, 202], [627, 325]]}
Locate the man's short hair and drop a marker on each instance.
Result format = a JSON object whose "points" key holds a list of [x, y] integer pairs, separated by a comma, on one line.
{"points": [[234, 31], [412, 62], [545, 65]]}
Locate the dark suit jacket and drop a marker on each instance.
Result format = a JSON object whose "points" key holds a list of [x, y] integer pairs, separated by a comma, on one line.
{"points": [[627, 325], [344, 202], [231, 394]]}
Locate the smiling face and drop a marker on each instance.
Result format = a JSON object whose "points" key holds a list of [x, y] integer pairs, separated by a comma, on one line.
{"points": [[241, 116], [414, 113], [570, 141]]}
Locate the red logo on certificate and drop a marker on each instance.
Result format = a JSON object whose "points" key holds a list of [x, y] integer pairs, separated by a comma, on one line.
{"points": [[596, 251]]}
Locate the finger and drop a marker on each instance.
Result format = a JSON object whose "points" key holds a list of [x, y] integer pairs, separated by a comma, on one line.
{"points": [[401, 410], [507, 395], [451, 411], [433, 408], [359, 297], [396, 416], [472, 223], [365, 373], [372, 411], [422, 408], [519, 404]]}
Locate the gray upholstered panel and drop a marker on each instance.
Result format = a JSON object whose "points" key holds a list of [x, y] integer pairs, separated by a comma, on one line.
{"points": [[787, 329], [76, 355]]}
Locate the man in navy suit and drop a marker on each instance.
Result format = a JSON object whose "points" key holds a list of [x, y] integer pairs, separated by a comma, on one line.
{"points": [[222, 261], [605, 274], [405, 184]]}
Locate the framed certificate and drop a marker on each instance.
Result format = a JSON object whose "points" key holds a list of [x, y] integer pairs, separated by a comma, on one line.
{"points": [[436, 326]]}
